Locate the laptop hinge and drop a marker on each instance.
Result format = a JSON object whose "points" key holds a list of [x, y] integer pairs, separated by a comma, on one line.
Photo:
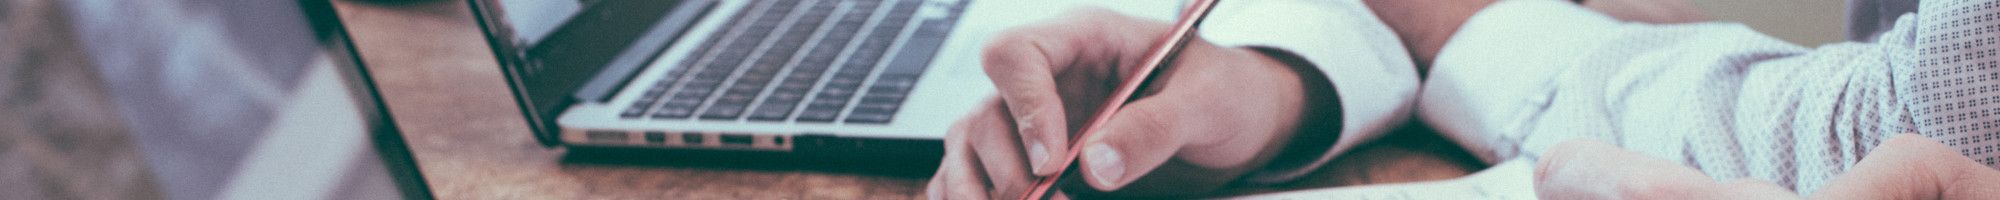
{"points": [[649, 46]]}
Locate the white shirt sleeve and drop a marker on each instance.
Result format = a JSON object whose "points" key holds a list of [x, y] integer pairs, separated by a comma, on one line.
{"points": [[1523, 75], [1373, 77], [1500, 69]]}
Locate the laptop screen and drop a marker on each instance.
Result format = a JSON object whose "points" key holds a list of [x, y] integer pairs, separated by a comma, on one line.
{"points": [[531, 20], [557, 53]]}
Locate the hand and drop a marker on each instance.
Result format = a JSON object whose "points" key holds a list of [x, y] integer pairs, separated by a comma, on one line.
{"points": [[1906, 167], [1214, 114]]}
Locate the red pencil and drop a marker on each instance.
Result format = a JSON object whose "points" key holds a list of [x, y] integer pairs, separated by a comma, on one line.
{"points": [[1155, 60]]}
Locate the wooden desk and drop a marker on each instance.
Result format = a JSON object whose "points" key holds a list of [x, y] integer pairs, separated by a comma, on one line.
{"points": [[441, 83]]}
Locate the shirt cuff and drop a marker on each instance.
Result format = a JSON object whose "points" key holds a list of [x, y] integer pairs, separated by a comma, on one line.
{"points": [[1499, 66], [1372, 76]]}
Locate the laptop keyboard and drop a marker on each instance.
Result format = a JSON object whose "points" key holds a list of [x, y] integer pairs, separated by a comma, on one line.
{"points": [[815, 61]]}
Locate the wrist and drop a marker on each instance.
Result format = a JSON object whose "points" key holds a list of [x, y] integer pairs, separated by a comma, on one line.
{"points": [[1316, 124], [1310, 106]]}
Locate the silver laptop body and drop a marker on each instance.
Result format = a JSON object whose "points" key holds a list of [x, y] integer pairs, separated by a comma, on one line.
{"points": [[823, 77]]}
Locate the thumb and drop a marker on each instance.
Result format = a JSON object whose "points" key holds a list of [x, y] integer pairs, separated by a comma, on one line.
{"points": [[1588, 169], [1911, 166], [1134, 141]]}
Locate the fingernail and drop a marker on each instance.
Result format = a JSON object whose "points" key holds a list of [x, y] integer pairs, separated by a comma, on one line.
{"points": [[1038, 150], [1038, 154], [1105, 163], [932, 194]]}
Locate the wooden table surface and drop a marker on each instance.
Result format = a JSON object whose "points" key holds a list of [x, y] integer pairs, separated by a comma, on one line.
{"points": [[444, 88]]}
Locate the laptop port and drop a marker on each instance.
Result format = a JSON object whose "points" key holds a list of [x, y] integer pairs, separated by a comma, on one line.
{"points": [[605, 136], [735, 139], [656, 137], [693, 138]]}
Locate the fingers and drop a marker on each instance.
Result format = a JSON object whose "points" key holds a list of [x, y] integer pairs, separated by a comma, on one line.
{"points": [[1028, 64], [1909, 166], [958, 175], [1020, 68], [961, 174], [1906, 167], [1171, 144], [1260, 101], [1023, 65], [1584, 169], [1200, 113], [994, 143], [1134, 142], [959, 180], [1050, 77]]}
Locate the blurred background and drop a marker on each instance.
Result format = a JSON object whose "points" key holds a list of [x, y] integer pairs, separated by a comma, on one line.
{"points": [[180, 99], [1805, 22]]}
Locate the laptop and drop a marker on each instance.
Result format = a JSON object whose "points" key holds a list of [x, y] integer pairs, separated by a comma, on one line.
{"points": [[880, 78]]}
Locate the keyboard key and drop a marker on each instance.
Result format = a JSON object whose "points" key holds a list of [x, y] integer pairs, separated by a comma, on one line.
{"points": [[798, 84], [723, 111], [734, 98], [812, 71], [673, 113], [894, 84], [830, 102], [836, 92], [751, 83], [787, 96], [674, 75], [745, 87], [756, 76], [916, 53], [844, 82], [707, 81], [644, 102], [773, 111], [891, 101], [877, 106], [854, 73], [692, 93], [819, 113], [868, 118], [633, 112], [766, 44], [682, 103], [904, 9], [801, 79], [654, 93]]}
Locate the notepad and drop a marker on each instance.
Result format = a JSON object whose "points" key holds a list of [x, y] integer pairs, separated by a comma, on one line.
{"points": [[1512, 179]]}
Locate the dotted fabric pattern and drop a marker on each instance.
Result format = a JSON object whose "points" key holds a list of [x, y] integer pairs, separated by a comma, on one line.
{"points": [[1735, 103], [1956, 91], [1726, 100]]}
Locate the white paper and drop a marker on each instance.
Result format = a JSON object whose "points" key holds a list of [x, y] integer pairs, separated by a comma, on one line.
{"points": [[1512, 179]]}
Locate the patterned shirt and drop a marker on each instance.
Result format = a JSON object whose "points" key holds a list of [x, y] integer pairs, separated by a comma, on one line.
{"points": [[1523, 75]]}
